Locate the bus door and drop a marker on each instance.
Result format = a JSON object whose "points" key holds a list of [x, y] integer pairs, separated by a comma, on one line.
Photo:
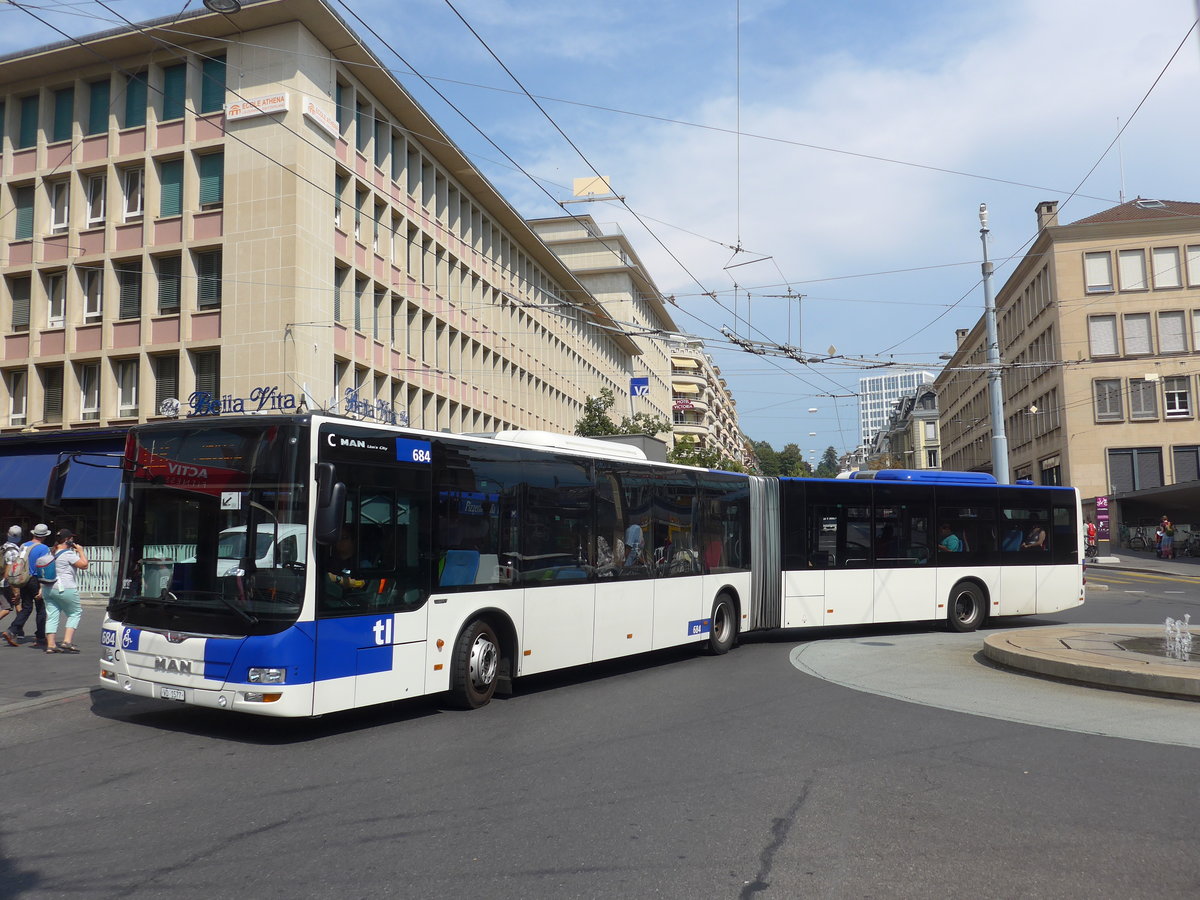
{"points": [[804, 549], [624, 614], [902, 545], [839, 530], [373, 583], [1024, 548]]}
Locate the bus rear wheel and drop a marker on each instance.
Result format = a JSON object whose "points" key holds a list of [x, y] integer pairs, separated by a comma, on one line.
{"points": [[475, 667], [967, 607], [722, 632]]}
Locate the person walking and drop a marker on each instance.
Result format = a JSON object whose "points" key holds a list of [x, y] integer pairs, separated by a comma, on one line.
{"points": [[62, 591], [31, 591], [1167, 545], [10, 594], [1090, 543]]}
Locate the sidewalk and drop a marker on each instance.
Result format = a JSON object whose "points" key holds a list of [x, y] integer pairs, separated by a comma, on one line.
{"points": [[31, 678], [1146, 561]]}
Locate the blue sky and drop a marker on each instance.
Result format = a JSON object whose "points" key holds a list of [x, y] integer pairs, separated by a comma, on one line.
{"points": [[871, 131]]}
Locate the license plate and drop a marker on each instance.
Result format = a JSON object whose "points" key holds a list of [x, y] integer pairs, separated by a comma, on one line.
{"points": [[168, 693]]}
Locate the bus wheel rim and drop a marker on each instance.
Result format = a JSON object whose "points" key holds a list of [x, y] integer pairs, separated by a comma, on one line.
{"points": [[483, 661]]}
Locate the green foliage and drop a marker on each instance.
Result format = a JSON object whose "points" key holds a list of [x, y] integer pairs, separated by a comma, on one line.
{"points": [[768, 459], [687, 452], [828, 467], [596, 421]]}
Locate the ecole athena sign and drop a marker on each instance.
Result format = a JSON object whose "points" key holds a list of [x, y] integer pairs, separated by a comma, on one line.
{"points": [[257, 106]]}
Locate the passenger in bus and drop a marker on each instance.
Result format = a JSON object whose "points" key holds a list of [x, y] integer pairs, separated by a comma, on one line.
{"points": [[1035, 539], [948, 541], [635, 541]]}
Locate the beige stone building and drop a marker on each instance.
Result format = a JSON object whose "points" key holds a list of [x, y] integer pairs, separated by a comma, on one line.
{"points": [[247, 212], [910, 440], [1099, 331]]}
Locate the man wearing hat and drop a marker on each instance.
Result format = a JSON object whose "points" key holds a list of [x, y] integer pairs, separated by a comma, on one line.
{"points": [[31, 592], [10, 594]]}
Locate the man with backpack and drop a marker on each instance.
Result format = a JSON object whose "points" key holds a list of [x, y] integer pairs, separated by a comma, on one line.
{"points": [[22, 571], [10, 594]]}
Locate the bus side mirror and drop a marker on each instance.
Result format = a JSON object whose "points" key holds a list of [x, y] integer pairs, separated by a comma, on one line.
{"points": [[57, 483], [331, 506]]}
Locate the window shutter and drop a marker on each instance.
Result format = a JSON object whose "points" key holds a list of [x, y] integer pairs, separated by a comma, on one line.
{"points": [[343, 112], [1137, 334], [135, 100], [98, 102], [1166, 267], [208, 279], [1108, 400], [52, 396], [1143, 399], [131, 292], [1097, 268], [1120, 470], [208, 373], [1186, 464], [24, 207], [212, 179], [20, 288], [1133, 269], [212, 85], [166, 379], [1149, 469], [1172, 338], [171, 198], [174, 88], [64, 114], [168, 284], [1102, 335], [27, 135]]}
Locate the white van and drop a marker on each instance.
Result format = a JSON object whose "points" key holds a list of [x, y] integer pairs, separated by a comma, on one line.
{"points": [[293, 546]]}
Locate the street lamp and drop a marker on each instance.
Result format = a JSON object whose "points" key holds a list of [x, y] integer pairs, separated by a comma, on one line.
{"points": [[223, 6]]}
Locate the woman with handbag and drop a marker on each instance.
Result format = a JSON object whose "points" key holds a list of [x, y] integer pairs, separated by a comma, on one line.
{"points": [[62, 592]]}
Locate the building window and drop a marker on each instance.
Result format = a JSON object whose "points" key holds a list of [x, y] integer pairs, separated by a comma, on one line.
{"points": [[27, 128], [339, 186], [129, 278], [1172, 332], [89, 391], [1193, 265], [60, 205], [1166, 267], [170, 202], [931, 459], [135, 100], [132, 185], [174, 91], [1097, 272], [1177, 397], [930, 431], [1134, 469], [23, 206], [1108, 400], [97, 189], [169, 269], [1132, 267], [52, 394], [56, 299], [362, 127], [1137, 334], [166, 380], [1102, 335], [1143, 400], [64, 115], [98, 103], [1187, 463], [208, 279], [207, 367], [19, 289], [343, 108], [126, 371], [92, 282], [17, 383], [212, 180], [212, 84]]}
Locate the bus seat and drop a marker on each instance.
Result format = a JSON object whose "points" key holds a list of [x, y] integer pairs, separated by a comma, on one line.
{"points": [[459, 567], [489, 569]]}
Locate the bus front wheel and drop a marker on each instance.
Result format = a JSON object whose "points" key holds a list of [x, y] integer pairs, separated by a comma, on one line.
{"points": [[967, 607], [723, 627], [476, 665]]}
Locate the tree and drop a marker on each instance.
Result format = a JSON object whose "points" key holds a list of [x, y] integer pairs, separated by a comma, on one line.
{"points": [[790, 459], [687, 452], [596, 422], [768, 459], [828, 467]]}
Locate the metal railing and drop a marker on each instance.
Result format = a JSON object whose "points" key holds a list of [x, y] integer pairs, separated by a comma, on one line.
{"points": [[97, 579]]}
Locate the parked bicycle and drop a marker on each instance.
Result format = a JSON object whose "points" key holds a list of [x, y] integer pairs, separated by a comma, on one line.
{"points": [[1137, 539]]}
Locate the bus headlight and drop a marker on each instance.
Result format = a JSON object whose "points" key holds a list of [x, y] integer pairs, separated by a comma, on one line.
{"points": [[258, 675]]}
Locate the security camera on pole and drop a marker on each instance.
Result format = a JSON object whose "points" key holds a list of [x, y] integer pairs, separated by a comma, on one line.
{"points": [[995, 388]]}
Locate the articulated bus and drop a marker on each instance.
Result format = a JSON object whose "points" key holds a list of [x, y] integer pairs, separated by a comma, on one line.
{"points": [[393, 563]]}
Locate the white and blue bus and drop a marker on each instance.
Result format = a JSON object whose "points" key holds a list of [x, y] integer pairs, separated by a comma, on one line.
{"points": [[394, 563]]}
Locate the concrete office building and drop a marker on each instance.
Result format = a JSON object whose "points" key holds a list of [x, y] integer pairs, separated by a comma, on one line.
{"points": [[877, 397], [1099, 330], [248, 212]]}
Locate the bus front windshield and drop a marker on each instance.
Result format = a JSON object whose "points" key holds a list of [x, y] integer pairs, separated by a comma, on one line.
{"points": [[195, 494]]}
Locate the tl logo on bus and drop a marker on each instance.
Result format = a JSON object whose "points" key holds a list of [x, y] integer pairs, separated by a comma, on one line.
{"points": [[383, 629]]}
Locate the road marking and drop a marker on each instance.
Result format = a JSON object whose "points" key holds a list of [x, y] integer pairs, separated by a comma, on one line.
{"points": [[1174, 592], [1135, 592]]}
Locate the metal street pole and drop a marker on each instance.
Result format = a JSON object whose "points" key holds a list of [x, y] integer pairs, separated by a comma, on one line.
{"points": [[995, 387]]}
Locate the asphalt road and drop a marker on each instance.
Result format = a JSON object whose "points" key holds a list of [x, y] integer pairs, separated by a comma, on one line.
{"points": [[674, 775]]}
